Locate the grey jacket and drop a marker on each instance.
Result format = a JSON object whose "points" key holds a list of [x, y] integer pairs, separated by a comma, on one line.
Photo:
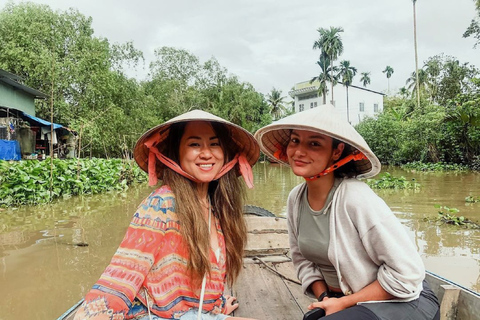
{"points": [[367, 242]]}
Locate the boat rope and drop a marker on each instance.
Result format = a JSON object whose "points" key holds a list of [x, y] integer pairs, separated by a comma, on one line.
{"points": [[275, 271]]}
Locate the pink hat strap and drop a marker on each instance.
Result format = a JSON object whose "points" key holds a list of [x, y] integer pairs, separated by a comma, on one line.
{"points": [[245, 168]]}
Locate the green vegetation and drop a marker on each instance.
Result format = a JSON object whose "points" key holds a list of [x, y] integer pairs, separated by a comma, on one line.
{"points": [[444, 131], [436, 167], [28, 182], [472, 199], [387, 181], [449, 216], [473, 29]]}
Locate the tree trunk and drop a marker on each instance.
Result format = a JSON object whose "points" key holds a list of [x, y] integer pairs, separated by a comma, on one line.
{"points": [[416, 55], [331, 78], [348, 112]]}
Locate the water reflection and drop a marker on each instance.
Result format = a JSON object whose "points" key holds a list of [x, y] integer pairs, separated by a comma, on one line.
{"points": [[43, 271]]}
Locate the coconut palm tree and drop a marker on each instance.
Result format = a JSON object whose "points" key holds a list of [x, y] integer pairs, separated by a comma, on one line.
{"points": [[277, 103], [388, 72], [347, 72], [418, 82], [365, 79], [325, 74], [416, 55], [330, 43], [403, 92]]}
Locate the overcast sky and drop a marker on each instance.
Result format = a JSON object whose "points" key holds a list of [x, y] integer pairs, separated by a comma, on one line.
{"points": [[269, 43]]}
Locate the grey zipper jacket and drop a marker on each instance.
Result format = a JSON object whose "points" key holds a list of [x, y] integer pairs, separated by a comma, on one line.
{"points": [[367, 242]]}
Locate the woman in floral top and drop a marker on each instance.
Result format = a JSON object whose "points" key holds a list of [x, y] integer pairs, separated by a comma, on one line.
{"points": [[186, 239]]}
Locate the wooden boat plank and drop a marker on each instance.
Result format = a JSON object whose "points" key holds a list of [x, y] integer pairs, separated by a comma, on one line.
{"points": [[288, 270], [263, 296], [266, 244], [269, 225]]}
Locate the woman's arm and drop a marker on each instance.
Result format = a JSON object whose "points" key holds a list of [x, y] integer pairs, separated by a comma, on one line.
{"points": [[117, 287], [372, 292], [318, 288]]}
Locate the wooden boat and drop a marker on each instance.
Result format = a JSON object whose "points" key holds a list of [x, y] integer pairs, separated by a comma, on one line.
{"points": [[268, 287]]}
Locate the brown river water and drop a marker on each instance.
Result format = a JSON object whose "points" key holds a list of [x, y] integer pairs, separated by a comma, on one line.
{"points": [[42, 272]]}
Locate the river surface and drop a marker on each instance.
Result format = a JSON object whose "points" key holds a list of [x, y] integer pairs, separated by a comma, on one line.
{"points": [[43, 272]]}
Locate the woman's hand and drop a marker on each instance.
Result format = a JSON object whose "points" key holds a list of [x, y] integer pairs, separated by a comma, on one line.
{"points": [[330, 305], [230, 304]]}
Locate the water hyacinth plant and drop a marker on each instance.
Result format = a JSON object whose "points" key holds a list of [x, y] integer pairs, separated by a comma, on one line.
{"points": [[472, 199], [449, 216], [28, 182], [387, 181], [434, 167]]}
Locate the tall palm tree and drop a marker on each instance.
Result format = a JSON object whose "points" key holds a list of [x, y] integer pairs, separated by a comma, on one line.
{"points": [[415, 44], [388, 72], [347, 72], [330, 43], [277, 103], [365, 79], [403, 92], [418, 81], [325, 74]]}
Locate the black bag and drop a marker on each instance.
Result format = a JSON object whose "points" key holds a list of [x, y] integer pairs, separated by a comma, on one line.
{"points": [[314, 314]]}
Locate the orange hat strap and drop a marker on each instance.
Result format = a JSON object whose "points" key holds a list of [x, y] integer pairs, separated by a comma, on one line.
{"points": [[280, 153], [355, 156]]}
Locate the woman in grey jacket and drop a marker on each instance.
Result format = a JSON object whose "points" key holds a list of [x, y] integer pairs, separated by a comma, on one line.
{"points": [[349, 250]]}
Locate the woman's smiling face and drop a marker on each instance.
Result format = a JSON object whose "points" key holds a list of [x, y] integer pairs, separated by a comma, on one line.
{"points": [[200, 152], [309, 153]]}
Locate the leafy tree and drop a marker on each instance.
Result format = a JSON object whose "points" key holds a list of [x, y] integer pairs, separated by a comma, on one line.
{"points": [[473, 29], [462, 127], [277, 103], [365, 79], [56, 52], [180, 82], [330, 44], [388, 72], [347, 72], [444, 77]]}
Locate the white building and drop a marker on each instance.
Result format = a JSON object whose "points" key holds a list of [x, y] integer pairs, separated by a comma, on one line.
{"points": [[362, 102]]}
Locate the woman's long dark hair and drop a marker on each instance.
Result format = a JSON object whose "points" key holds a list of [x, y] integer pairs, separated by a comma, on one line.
{"points": [[227, 195], [348, 170]]}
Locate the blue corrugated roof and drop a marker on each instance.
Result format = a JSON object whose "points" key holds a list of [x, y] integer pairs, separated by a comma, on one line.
{"points": [[43, 122]]}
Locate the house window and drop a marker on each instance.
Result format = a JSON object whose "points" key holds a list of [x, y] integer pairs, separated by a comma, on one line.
{"points": [[315, 104], [375, 107], [362, 106], [300, 107], [311, 105]]}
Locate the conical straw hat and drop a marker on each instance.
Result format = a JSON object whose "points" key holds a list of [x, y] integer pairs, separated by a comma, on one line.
{"points": [[244, 140], [323, 119]]}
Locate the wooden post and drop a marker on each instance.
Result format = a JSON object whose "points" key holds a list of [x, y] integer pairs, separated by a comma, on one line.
{"points": [[449, 304]]}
